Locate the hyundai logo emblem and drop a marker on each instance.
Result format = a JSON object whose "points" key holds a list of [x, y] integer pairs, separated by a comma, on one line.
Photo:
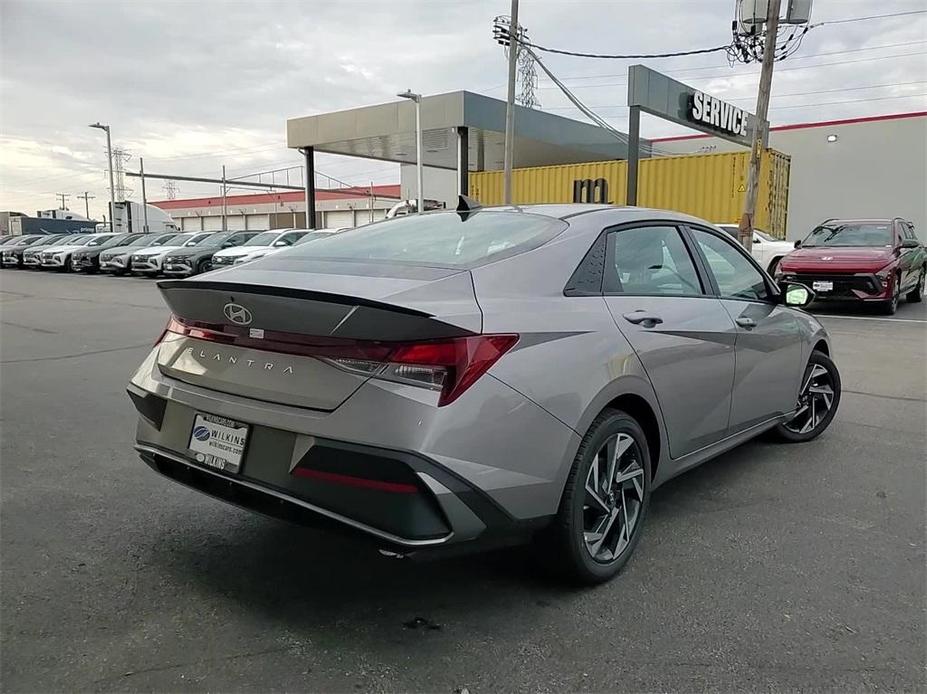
{"points": [[238, 314], [201, 433]]}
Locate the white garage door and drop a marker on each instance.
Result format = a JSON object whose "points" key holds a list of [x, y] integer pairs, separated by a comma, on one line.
{"points": [[339, 218], [212, 223], [258, 222]]}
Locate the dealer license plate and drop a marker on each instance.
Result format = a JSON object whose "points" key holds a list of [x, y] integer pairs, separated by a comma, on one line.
{"points": [[822, 286], [218, 442]]}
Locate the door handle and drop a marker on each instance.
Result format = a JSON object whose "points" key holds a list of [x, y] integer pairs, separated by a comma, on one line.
{"points": [[746, 323], [648, 320]]}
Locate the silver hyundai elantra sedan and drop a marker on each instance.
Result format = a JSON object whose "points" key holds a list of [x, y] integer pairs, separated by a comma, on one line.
{"points": [[480, 377]]}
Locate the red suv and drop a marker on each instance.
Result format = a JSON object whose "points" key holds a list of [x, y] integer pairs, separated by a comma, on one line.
{"points": [[869, 260]]}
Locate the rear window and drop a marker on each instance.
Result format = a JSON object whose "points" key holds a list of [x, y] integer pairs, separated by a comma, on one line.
{"points": [[437, 239]]}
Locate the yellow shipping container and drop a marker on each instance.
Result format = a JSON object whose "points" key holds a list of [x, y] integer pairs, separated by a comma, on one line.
{"points": [[710, 186]]}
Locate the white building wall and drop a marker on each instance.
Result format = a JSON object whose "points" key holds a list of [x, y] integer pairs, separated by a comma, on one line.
{"points": [[439, 184], [875, 168]]}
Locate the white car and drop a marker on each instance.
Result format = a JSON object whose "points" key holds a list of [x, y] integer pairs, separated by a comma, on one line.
{"points": [[147, 260], [767, 250], [314, 235], [268, 240], [58, 257]]}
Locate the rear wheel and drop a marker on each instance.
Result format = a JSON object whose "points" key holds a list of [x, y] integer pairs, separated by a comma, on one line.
{"points": [[916, 295], [604, 502], [818, 400]]}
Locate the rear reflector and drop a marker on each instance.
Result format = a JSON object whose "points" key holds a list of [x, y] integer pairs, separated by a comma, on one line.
{"points": [[449, 365], [351, 481]]}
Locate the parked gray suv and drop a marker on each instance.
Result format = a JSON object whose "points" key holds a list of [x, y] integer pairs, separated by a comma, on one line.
{"points": [[481, 376]]}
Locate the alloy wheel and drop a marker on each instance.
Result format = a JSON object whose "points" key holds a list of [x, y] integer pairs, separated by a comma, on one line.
{"points": [[614, 496], [814, 401]]}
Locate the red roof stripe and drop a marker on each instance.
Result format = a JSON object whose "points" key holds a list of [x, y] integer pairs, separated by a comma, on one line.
{"points": [[359, 193], [800, 126]]}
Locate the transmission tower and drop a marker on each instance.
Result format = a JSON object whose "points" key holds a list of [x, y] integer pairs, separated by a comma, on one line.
{"points": [[120, 159], [527, 75], [170, 190]]}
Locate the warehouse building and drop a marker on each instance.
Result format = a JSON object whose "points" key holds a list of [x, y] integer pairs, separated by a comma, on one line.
{"points": [[335, 208], [857, 167]]}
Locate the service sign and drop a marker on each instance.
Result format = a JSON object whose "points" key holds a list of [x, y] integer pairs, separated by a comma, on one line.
{"points": [[718, 114], [661, 95]]}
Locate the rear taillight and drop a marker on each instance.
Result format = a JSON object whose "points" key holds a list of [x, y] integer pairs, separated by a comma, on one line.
{"points": [[449, 365]]}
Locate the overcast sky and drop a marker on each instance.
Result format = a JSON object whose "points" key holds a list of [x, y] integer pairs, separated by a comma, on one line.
{"points": [[190, 86]]}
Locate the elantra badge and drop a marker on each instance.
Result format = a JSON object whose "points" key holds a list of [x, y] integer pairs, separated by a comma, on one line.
{"points": [[238, 314]]}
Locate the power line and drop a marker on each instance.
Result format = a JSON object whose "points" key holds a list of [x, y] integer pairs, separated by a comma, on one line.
{"points": [[704, 68], [728, 48], [630, 56], [863, 19], [852, 101], [829, 103], [748, 74], [777, 96]]}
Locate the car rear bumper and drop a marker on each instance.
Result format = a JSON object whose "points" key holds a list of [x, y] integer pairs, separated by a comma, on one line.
{"points": [[393, 467], [845, 287]]}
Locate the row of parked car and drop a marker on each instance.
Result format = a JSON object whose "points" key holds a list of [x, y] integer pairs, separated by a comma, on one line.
{"points": [[173, 254]]}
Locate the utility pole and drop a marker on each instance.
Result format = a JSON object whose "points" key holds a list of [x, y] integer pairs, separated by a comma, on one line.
{"points": [[762, 123], [141, 170], [64, 200], [510, 107], [86, 197], [224, 198]]}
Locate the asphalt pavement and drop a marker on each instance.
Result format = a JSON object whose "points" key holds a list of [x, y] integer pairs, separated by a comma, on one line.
{"points": [[773, 567]]}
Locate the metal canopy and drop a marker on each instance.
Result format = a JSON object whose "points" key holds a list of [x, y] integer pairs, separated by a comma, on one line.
{"points": [[387, 132]]}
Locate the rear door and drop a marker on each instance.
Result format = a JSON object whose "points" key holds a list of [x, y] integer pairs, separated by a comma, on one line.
{"points": [[679, 330], [769, 342]]}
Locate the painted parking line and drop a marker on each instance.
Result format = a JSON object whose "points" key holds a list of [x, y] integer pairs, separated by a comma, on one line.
{"points": [[889, 320]]}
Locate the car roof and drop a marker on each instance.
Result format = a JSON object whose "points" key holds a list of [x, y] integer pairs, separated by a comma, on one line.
{"points": [[606, 214]]}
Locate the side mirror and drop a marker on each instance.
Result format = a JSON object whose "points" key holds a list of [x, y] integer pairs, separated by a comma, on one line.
{"points": [[797, 295], [797, 243], [909, 243], [756, 240]]}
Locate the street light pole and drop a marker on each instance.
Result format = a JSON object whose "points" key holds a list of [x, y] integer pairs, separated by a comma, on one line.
{"points": [[112, 188], [419, 168]]}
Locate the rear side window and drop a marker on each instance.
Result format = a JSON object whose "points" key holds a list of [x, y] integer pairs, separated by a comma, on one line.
{"points": [[650, 260], [437, 239]]}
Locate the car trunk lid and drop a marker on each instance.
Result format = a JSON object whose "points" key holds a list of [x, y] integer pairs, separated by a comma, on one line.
{"points": [[267, 334]]}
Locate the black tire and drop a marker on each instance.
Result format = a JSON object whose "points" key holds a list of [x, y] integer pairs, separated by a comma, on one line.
{"points": [[563, 547], [787, 430], [773, 264], [203, 266], [890, 307], [67, 265], [916, 295]]}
